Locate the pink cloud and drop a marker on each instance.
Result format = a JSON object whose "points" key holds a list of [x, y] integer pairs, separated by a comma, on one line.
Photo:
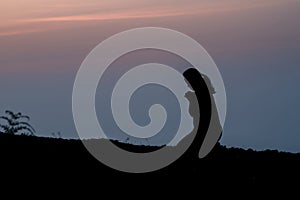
{"points": [[21, 32], [106, 16], [191, 7]]}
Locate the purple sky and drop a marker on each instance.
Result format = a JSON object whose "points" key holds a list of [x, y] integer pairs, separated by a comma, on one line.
{"points": [[255, 44]]}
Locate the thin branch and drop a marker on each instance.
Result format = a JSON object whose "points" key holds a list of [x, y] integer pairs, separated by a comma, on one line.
{"points": [[24, 128], [20, 116], [13, 116], [5, 128], [28, 125]]}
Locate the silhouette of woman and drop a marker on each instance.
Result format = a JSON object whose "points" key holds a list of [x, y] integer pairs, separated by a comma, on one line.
{"points": [[202, 105], [204, 112]]}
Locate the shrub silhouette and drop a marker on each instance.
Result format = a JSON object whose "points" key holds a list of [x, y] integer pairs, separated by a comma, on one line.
{"points": [[57, 134], [16, 123]]}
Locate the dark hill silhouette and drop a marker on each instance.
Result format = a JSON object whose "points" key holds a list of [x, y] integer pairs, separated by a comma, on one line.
{"points": [[50, 157]]}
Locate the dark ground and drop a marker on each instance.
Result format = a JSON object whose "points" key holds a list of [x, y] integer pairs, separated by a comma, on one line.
{"points": [[28, 157]]}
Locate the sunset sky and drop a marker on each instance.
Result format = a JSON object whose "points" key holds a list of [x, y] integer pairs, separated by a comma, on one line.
{"points": [[255, 44]]}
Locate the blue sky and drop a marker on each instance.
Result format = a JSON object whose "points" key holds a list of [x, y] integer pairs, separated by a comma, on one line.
{"points": [[255, 45]]}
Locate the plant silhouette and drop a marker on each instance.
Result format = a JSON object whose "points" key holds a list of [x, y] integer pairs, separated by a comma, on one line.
{"points": [[16, 123], [56, 135]]}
